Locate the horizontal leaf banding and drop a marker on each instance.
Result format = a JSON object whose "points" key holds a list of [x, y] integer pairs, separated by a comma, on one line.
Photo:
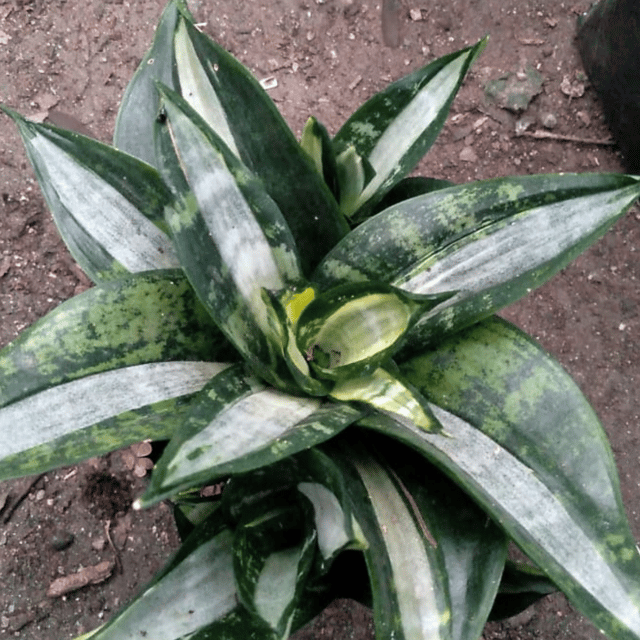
{"points": [[75, 405]]}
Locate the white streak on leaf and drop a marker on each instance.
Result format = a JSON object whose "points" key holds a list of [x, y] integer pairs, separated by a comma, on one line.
{"points": [[75, 405], [104, 213]]}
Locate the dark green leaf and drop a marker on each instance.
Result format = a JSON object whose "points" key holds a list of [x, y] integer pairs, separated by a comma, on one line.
{"points": [[410, 596], [274, 425], [231, 237], [139, 106], [521, 438], [194, 592], [273, 552], [491, 242], [520, 587], [470, 548], [98, 413]]}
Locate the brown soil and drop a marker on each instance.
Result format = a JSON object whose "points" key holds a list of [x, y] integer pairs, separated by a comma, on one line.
{"points": [[74, 57]]}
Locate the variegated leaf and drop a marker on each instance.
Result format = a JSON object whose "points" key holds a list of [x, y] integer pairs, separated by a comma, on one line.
{"points": [[108, 206], [139, 106], [97, 414], [147, 317], [396, 127], [521, 438], [234, 104], [490, 241], [230, 235], [274, 425]]}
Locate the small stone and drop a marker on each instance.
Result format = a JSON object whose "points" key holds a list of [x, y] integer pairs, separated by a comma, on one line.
{"points": [[548, 120], [584, 117], [415, 14], [573, 89], [99, 544], [61, 540], [468, 155], [515, 91]]}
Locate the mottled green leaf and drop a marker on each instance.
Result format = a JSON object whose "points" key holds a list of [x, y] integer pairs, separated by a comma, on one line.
{"points": [[521, 438], [147, 317], [96, 414], [411, 187], [491, 242], [230, 235], [240, 424]]}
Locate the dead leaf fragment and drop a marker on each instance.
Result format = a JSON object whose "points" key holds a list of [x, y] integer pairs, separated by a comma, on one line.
{"points": [[89, 575]]}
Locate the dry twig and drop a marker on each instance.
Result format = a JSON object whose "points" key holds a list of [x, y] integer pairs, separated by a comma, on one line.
{"points": [[542, 135]]}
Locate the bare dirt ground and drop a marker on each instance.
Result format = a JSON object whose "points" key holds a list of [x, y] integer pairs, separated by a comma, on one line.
{"points": [[61, 58]]}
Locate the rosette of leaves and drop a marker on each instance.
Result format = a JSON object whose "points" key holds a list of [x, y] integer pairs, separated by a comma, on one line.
{"points": [[304, 322]]}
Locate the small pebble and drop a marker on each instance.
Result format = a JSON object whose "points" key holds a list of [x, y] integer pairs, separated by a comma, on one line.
{"points": [[99, 544], [548, 120], [468, 155], [584, 117]]}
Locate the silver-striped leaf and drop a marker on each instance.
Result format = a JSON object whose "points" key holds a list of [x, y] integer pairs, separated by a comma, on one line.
{"points": [[536, 458], [434, 561], [230, 235], [98, 413], [240, 424], [107, 205], [244, 116], [396, 127], [490, 241], [147, 317]]}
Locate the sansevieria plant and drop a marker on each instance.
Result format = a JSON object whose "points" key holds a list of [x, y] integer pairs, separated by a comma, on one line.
{"points": [[310, 326]]}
